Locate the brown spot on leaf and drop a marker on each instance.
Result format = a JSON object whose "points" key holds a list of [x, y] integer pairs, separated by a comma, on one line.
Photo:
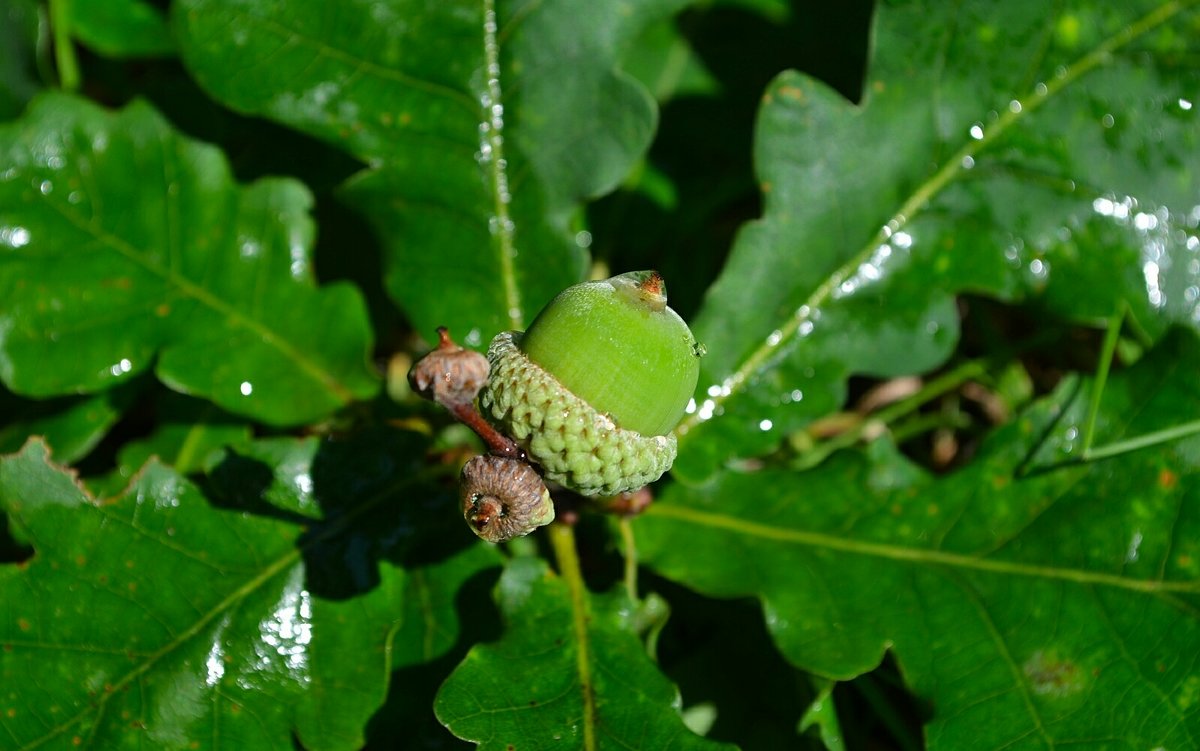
{"points": [[1051, 675], [794, 93], [23, 624], [163, 310], [121, 282], [1167, 480]]}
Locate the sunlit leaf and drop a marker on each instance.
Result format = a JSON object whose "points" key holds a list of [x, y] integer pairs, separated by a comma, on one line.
{"points": [[1034, 601], [128, 247], [157, 619], [484, 129], [1026, 151]]}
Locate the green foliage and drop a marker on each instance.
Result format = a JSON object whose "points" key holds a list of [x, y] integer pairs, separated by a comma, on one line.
{"points": [[905, 512]]}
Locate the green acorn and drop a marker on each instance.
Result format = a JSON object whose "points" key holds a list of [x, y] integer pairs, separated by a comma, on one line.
{"points": [[594, 387]]}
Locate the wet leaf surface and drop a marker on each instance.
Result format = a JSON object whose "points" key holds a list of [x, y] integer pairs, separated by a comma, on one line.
{"points": [[158, 618], [960, 171], [204, 281], [484, 130], [1035, 602]]}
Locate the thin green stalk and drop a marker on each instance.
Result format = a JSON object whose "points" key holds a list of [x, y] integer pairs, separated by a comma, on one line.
{"points": [[1102, 368], [921, 424], [492, 155], [935, 388], [1142, 441], [562, 539], [64, 48], [631, 559]]}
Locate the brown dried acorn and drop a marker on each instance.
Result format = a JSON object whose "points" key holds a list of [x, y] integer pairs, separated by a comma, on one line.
{"points": [[503, 498], [594, 387]]}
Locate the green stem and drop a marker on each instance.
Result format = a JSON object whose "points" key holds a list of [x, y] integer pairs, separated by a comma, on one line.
{"points": [[628, 542], [943, 384], [1102, 368], [562, 539], [492, 157], [922, 424], [1142, 441], [64, 48]]}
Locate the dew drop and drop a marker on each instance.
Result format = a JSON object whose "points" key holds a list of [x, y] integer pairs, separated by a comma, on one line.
{"points": [[14, 237]]}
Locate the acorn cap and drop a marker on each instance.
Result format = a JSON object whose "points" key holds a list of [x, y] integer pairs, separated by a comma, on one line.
{"points": [[577, 445]]}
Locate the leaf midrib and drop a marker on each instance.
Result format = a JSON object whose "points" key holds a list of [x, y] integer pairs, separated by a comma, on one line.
{"points": [[318, 374], [927, 556], [360, 65]]}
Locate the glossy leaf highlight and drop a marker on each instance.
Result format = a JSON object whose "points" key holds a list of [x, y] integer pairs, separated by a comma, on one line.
{"points": [[156, 618]]}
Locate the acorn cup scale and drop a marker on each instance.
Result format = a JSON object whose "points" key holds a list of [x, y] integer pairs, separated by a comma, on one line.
{"points": [[594, 387]]}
